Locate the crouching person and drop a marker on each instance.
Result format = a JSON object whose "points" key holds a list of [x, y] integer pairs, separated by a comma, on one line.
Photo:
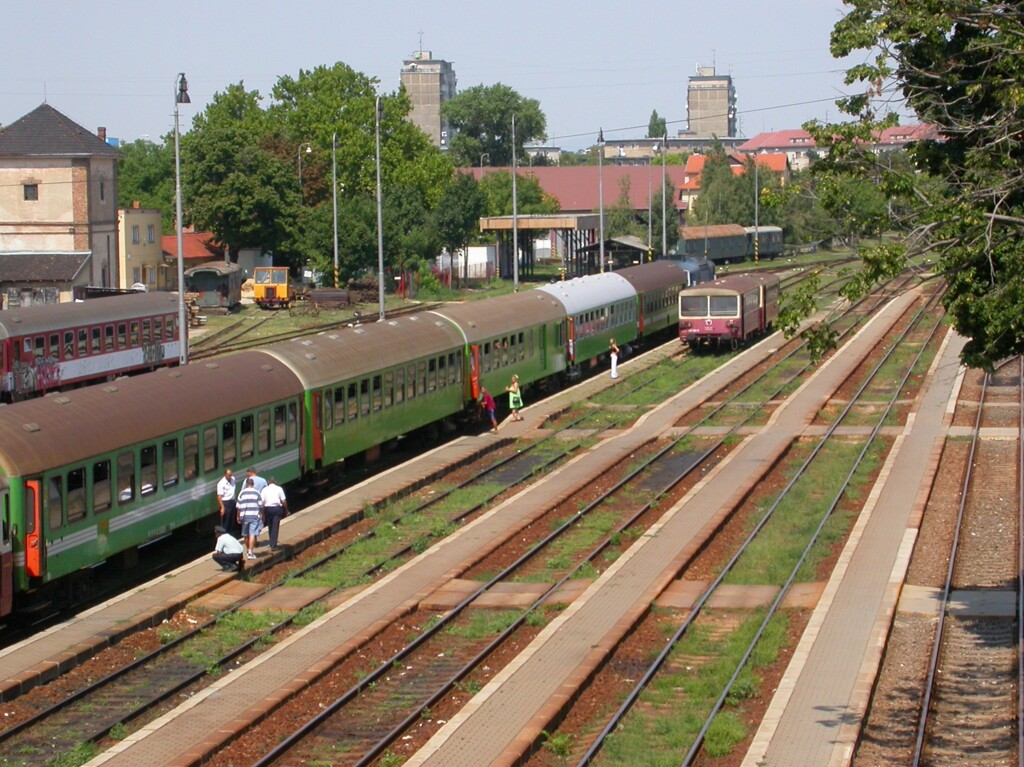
{"points": [[228, 551]]}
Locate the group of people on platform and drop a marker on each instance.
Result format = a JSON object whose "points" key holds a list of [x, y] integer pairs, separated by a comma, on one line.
{"points": [[259, 503], [262, 504]]}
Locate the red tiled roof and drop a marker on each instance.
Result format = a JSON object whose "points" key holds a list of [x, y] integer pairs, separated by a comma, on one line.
{"points": [[196, 246], [576, 187]]}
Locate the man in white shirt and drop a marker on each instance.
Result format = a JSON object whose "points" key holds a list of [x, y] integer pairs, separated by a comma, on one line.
{"points": [[226, 502], [228, 551], [275, 507]]}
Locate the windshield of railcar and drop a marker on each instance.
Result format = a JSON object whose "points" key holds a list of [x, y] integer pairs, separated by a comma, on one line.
{"points": [[693, 306], [724, 306], [262, 276]]}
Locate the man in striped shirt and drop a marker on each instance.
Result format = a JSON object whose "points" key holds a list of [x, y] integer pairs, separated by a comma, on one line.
{"points": [[248, 506]]}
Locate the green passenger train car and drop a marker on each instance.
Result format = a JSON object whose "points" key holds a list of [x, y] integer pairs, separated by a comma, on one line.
{"points": [[103, 471]]}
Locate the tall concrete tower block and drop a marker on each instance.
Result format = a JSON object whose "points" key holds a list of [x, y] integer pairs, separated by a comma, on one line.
{"points": [[711, 104], [429, 82]]}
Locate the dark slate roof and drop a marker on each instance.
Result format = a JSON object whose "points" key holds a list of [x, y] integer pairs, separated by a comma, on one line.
{"points": [[41, 267], [45, 132]]}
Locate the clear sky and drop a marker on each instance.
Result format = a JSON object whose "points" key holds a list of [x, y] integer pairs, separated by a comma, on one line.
{"points": [[590, 63]]}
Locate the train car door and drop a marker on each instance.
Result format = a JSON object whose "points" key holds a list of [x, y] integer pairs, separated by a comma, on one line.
{"points": [[318, 429], [473, 379], [6, 553], [33, 517]]}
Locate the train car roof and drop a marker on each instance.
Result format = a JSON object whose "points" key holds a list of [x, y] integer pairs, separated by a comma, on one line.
{"points": [[68, 427], [217, 267], [655, 275], [581, 294], [733, 283], [336, 355], [498, 316], [47, 317]]}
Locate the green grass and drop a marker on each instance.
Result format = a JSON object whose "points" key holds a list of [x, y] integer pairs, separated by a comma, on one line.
{"points": [[672, 710]]}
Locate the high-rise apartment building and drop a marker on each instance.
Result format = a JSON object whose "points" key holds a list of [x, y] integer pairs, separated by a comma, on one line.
{"points": [[711, 104], [429, 82]]}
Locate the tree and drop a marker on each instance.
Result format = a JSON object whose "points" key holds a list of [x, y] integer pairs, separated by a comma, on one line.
{"points": [[458, 214], [530, 197], [621, 217], [146, 176], [955, 63], [481, 118], [236, 187], [656, 127]]}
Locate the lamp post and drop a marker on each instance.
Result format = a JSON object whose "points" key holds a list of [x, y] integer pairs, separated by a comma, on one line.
{"points": [[600, 193], [309, 148], [334, 199], [180, 97], [380, 218], [664, 201], [515, 214], [488, 156], [757, 205]]}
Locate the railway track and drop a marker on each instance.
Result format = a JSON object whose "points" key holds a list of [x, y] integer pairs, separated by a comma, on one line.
{"points": [[236, 337], [957, 643], [379, 567]]}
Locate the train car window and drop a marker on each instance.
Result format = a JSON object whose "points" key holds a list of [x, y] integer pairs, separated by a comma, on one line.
{"points": [[169, 467], [442, 374], [158, 329], [147, 332], [147, 470], [83, 342], [190, 464], [410, 382], [431, 375], [125, 478], [522, 346], [76, 495], [504, 352], [454, 369], [227, 430], [351, 402], [134, 341], [485, 357], [170, 327], [724, 306], [328, 409], [101, 487], [122, 335], [55, 345], [55, 503], [280, 427], [263, 424], [211, 458], [246, 438], [69, 344], [96, 346], [364, 397], [40, 347], [108, 338], [293, 422], [377, 397], [339, 405], [399, 386], [389, 389], [421, 378]]}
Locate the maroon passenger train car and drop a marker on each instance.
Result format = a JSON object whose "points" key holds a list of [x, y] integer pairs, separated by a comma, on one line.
{"points": [[56, 346], [731, 310]]}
